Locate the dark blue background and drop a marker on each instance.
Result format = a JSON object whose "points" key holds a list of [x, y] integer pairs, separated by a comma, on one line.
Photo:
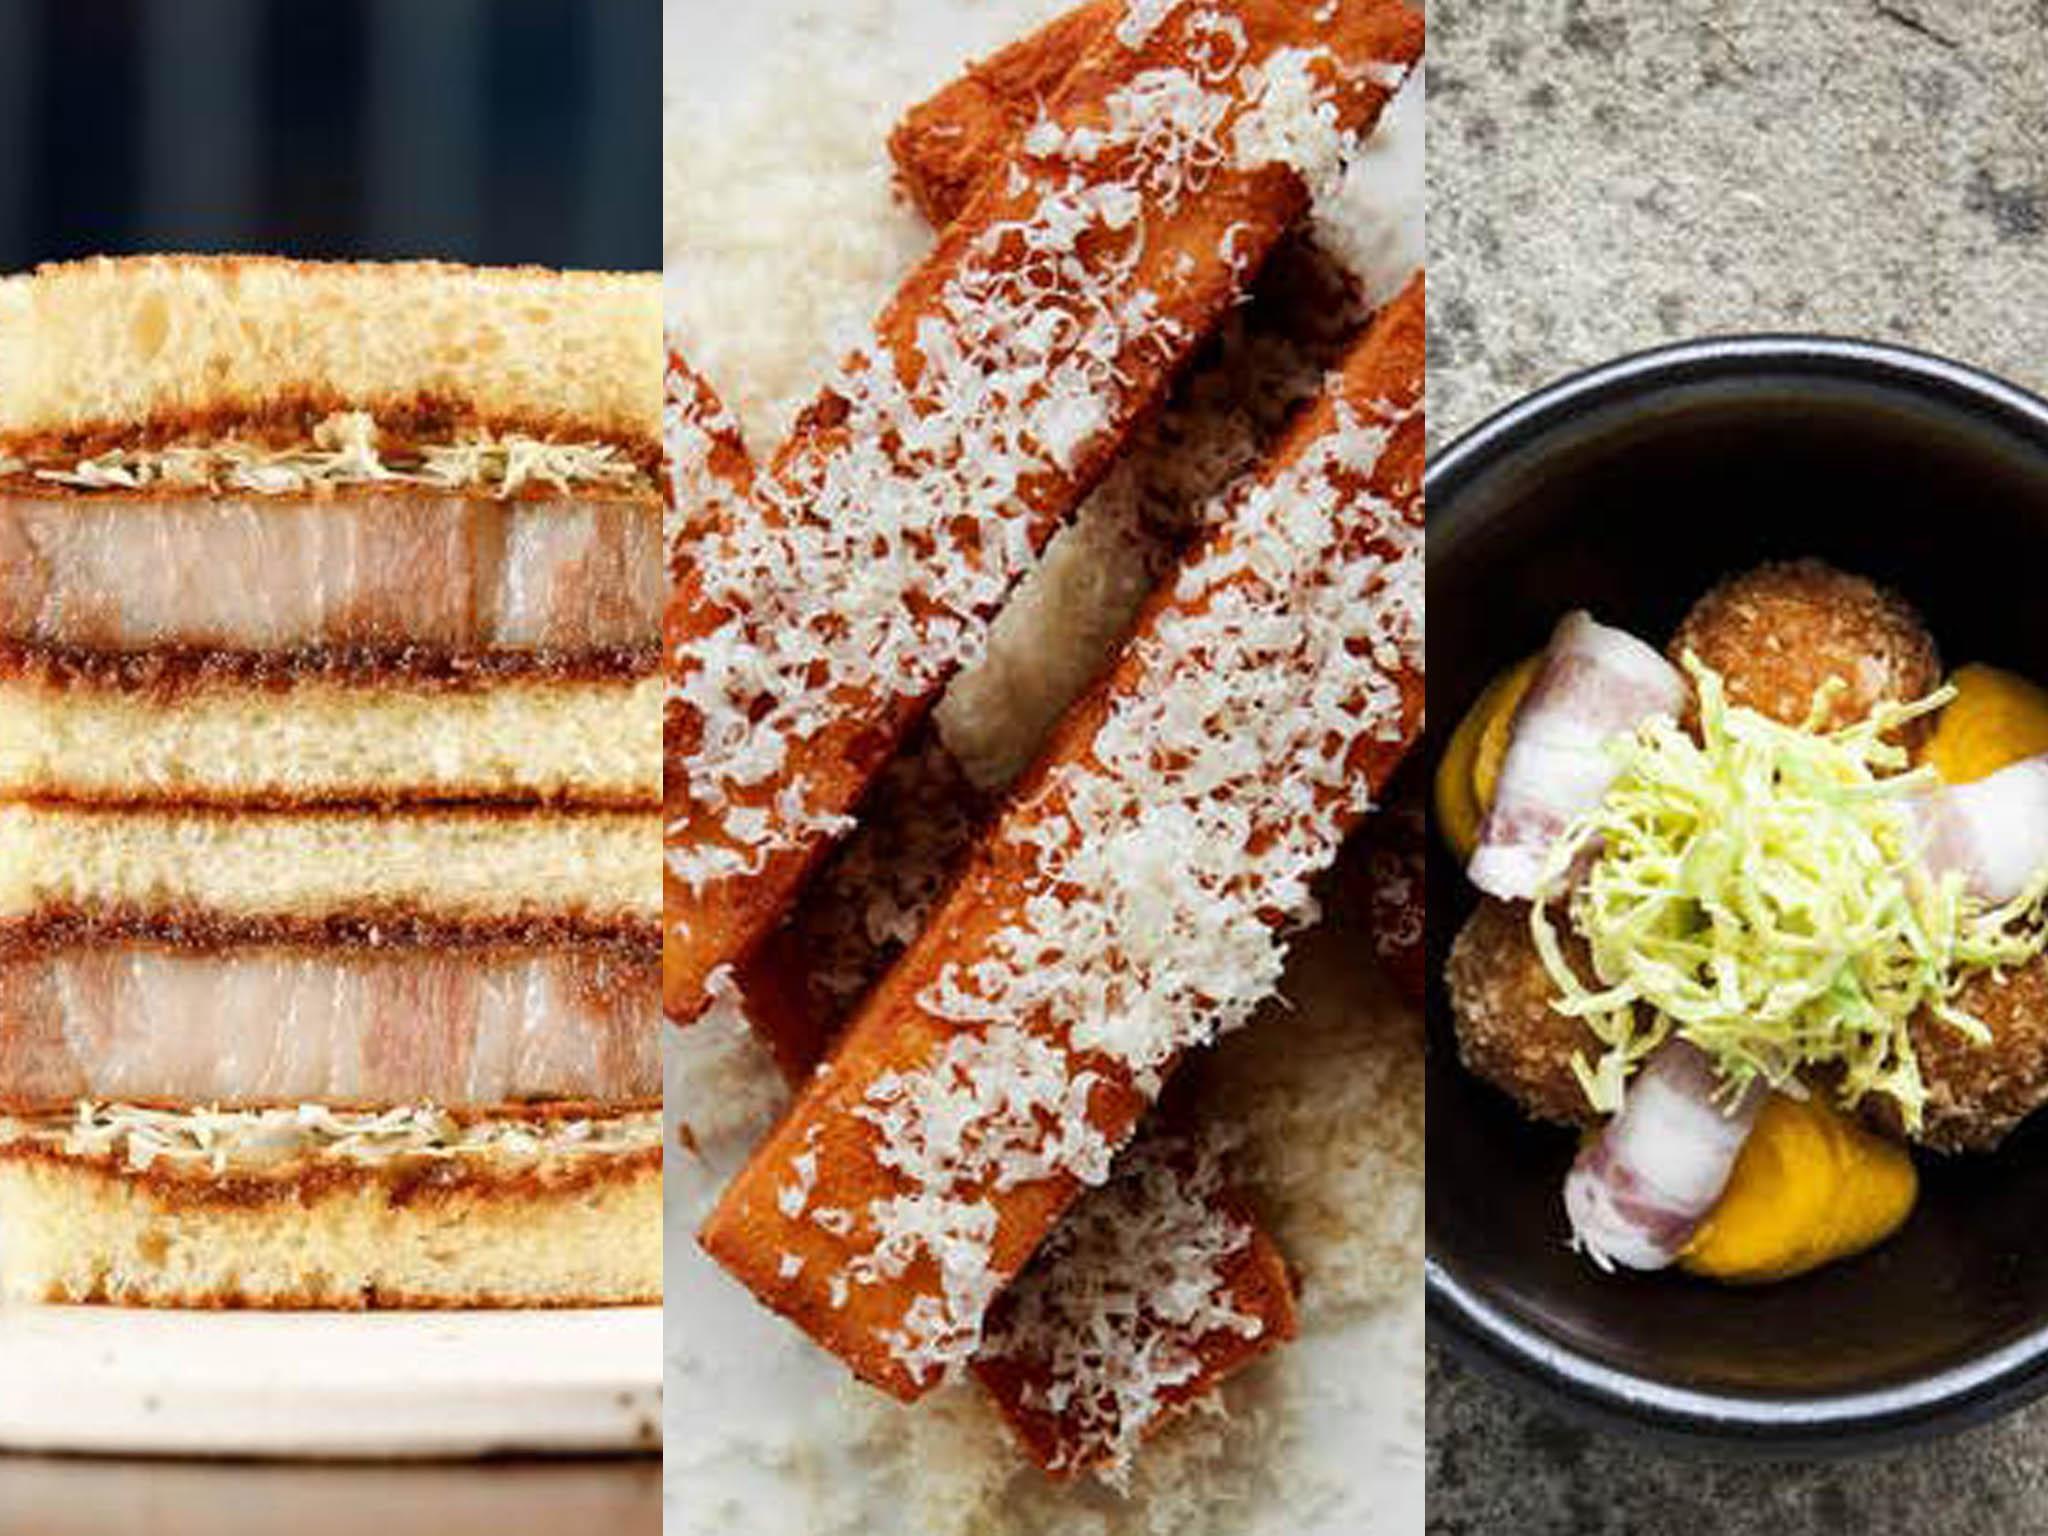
{"points": [[475, 130]]}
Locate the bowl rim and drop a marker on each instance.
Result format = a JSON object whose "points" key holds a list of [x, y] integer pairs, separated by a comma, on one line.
{"points": [[1488, 1336]]}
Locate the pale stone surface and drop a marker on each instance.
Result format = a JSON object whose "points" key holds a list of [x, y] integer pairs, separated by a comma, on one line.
{"points": [[1610, 174], [1606, 176]]}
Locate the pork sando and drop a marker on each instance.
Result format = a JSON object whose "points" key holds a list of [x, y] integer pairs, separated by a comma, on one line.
{"points": [[1130, 904], [329, 785], [335, 508], [1006, 374]]}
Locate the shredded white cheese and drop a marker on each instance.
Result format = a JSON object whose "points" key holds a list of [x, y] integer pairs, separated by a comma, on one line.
{"points": [[1295, 123], [1166, 869], [1141, 19], [1166, 862], [875, 557], [695, 428], [1109, 1317]]}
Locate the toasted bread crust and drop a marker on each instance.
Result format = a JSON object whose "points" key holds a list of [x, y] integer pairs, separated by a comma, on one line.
{"points": [[710, 472], [945, 144], [1260, 1287], [237, 746], [583, 1233], [163, 348], [709, 466]]}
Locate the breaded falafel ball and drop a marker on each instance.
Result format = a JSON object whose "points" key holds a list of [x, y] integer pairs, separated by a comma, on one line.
{"points": [[1507, 1031], [1777, 633], [1977, 1094]]}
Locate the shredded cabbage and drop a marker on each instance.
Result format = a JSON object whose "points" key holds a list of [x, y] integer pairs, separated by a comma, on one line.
{"points": [[345, 449], [1757, 892], [252, 1139]]}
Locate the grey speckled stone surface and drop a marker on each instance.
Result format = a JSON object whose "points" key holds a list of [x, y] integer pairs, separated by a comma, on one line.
{"points": [[1608, 176]]}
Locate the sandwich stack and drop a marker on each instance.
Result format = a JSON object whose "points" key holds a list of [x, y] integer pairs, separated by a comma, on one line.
{"points": [[330, 785]]}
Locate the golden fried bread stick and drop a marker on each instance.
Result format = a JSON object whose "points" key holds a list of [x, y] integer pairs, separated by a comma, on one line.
{"points": [[709, 475], [919, 819], [948, 142], [709, 472], [1132, 903], [1001, 382], [1155, 1287], [1151, 1291], [866, 904], [942, 146]]}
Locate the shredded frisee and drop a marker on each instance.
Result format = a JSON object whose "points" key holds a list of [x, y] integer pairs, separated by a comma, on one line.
{"points": [[1758, 892]]}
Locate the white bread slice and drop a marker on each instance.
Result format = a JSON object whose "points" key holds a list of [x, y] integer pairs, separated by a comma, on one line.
{"points": [[93, 346], [225, 873], [586, 1233], [566, 741]]}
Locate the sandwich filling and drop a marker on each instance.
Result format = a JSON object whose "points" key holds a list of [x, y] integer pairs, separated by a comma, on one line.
{"points": [[140, 1139], [347, 449], [375, 566], [342, 1026], [329, 793]]}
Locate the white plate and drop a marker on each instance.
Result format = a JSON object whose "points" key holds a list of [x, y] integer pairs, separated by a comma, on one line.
{"points": [[379, 1384]]}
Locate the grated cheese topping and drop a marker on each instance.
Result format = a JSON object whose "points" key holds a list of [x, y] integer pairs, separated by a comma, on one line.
{"points": [[867, 569], [698, 432], [1297, 124], [806, 233], [1165, 861], [345, 449], [1141, 19], [224, 1140], [1108, 1319], [1166, 869], [1096, 574]]}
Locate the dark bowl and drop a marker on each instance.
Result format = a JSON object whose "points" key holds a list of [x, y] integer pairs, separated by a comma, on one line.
{"points": [[1629, 490]]}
